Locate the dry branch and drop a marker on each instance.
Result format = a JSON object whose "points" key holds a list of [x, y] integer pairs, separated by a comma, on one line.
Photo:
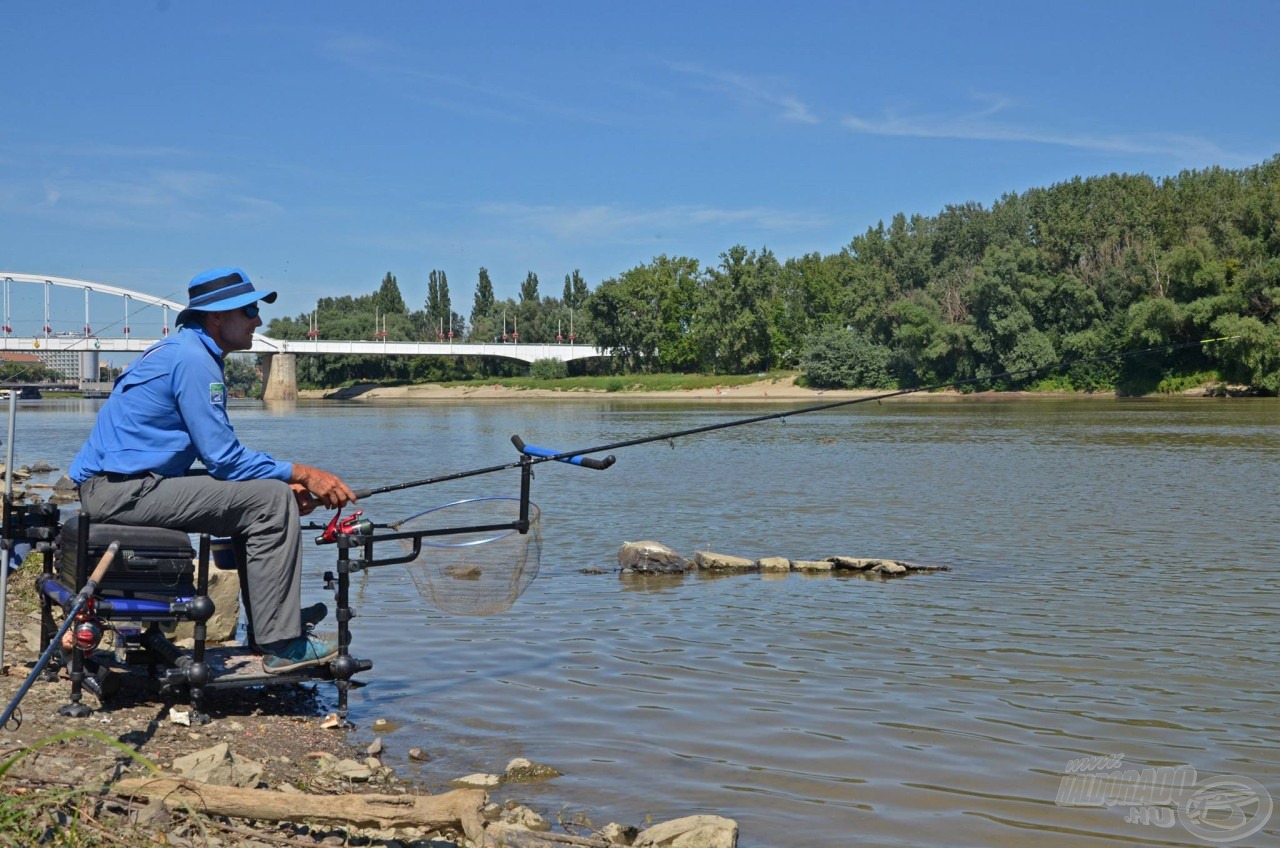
{"points": [[457, 809], [502, 835]]}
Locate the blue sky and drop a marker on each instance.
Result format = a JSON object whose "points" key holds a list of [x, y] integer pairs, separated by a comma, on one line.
{"points": [[319, 145]]}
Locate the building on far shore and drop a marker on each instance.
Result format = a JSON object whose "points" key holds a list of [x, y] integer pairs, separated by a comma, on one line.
{"points": [[65, 363], [74, 366]]}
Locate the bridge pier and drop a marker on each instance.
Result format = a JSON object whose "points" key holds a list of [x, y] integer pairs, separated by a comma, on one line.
{"points": [[280, 377]]}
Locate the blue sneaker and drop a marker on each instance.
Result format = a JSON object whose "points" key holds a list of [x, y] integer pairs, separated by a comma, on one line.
{"points": [[314, 614], [292, 654]]}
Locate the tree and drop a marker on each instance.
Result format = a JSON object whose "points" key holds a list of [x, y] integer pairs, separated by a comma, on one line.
{"points": [[439, 312], [927, 349], [529, 288], [35, 372], [1251, 352], [482, 318], [388, 298], [241, 375], [575, 290], [1006, 337], [845, 359], [646, 315], [735, 323]]}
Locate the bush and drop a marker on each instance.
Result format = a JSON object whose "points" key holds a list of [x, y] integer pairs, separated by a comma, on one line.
{"points": [[548, 369], [837, 358]]}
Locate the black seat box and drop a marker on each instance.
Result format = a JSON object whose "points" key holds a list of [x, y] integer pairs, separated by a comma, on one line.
{"points": [[152, 562]]}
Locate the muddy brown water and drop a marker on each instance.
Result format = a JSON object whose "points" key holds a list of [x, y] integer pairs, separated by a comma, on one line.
{"points": [[1112, 593]]}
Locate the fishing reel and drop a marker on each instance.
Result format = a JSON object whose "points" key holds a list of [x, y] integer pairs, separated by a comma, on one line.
{"points": [[352, 525], [85, 634]]}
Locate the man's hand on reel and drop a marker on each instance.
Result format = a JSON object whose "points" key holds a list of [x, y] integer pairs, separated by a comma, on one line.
{"points": [[315, 487]]}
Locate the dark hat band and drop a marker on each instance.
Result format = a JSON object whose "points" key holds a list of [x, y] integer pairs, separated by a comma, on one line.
{"points": [[226, 286], [222, 289]]}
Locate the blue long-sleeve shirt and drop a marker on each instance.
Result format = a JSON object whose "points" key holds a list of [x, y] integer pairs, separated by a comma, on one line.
{"points": [[168, 410]]}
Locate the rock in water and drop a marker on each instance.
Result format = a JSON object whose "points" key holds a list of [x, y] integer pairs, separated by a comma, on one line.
{"points": [[651, 558], [713, 561], [691, 832]]}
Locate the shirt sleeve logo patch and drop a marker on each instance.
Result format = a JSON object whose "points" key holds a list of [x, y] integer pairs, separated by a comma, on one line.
{"points": [[217, 394]]}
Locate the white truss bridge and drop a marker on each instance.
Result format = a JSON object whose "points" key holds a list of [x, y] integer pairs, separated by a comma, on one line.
{"points": [[153, 316]]}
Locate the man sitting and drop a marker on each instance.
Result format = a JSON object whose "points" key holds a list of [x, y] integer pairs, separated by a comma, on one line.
{"points": [[168, 409]]}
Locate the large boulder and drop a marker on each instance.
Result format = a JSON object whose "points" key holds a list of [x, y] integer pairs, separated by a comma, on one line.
{"points": [[651, 558], [691, 832], [224, 591]]}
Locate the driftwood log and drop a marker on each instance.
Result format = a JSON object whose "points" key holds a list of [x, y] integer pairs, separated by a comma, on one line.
{"points": [[459, 809]]}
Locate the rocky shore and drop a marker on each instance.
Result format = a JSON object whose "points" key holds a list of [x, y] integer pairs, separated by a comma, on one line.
{"points": [[270, 769]]}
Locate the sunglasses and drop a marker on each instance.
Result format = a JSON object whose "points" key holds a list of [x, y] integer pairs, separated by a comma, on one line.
{"points": [[250, 311]]}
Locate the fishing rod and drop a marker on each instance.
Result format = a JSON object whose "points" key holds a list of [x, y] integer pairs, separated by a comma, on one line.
{"points": [[78, 604], [533, 455]]}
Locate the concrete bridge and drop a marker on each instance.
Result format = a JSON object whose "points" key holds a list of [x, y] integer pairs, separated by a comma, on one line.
{"points": [[56, 333]]}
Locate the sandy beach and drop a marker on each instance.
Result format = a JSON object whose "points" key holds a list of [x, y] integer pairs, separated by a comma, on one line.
{"points": [[783, 390], [760, 391]]}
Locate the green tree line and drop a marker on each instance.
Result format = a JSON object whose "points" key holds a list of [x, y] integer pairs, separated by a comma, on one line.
{"points": [[1086, 267], [385, 315]]}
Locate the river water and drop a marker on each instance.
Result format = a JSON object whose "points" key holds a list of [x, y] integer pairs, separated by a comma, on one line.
{"points": [[1112, 592]]}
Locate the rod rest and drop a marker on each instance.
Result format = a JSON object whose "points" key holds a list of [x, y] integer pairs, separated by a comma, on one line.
{"points": [[184, 670], [346, 666], [199, 608]]}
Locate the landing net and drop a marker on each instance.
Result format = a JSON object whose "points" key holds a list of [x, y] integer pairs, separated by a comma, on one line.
{"points": [[477, 572]]}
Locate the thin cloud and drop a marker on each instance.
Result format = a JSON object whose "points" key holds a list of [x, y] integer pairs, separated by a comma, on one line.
{"points": [[405, 75], [354, 49], [616, 222], [983, 124], [94, 150], [156, 198], [752, 91]]}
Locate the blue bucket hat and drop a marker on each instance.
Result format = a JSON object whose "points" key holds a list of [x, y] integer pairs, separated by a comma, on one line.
{"points": [[219, 289]]}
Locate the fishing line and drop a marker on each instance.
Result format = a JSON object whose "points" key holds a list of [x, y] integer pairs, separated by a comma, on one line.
{"points": [[534, 455], [75, 347], [1019, 373]]}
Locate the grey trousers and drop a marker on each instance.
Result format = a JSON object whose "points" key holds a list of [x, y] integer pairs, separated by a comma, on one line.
{"points": [[263, 512]]}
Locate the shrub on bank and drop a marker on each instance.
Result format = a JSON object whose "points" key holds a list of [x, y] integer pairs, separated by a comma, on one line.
{"points": [[837, 358], [548, 369]]}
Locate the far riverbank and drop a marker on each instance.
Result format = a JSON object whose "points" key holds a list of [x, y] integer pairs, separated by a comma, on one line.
{"points": [[783, 389]]}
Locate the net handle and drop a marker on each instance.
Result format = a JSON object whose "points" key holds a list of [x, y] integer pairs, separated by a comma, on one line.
{"points": [[559, 456]]}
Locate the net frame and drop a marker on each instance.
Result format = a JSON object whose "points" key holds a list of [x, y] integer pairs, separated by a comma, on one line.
{"points": [[478, 567]]}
